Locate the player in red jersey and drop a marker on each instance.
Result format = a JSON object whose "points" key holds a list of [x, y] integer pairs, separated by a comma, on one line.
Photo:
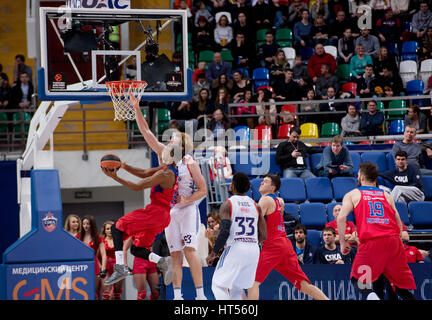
{"points": [[145, 224], [277, 251], [379, 230]]}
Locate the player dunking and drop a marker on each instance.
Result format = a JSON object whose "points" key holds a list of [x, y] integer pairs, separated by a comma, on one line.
{"points": [[242, 228], [277, 251], [379, 230], [182, 232], [144, 224]]}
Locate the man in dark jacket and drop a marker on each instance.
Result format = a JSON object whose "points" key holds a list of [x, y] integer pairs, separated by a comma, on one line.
{"points": [[372, 121], [291, 156], [304, 250]]}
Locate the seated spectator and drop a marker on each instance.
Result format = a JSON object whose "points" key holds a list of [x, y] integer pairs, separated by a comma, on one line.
{"points": [[372, 121], [379, 9], [310, 107], [238, 8], [331, 253], [218, 6], [183, 112], [131, 69], [350, 124], [200, 84], [389, 28], [202, 12], [406, 179], [305, 83], [350, 229], [242, 52], [200, 69], [5, 91], [21, 92], [267, 51], [219, 124], [325, 81], [221, 81], [416, 118], [302, 31], [425, 50], [212, 231], [291, 156], [247, 97], [389, 84], [359, 62], [319, 7], [366, 83], [336, 161], [202, 37], [19, 67], [264, 95], [222, 99], [319, 30], [384, 59], [239, 85], [299, 69], [346, 46], [290, 222], [217, 67], [277, 68], [204, 106], [335, 7], [277, 13], [295, 11], [315, 62], [421, 20], [304, 249], [261, 15], [220, 164], [223, 33], [413, 255], [287, 89], [338, 27], [369, 42], [330, 106]]}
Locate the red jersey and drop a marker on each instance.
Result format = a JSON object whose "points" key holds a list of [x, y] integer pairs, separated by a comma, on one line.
{"points": [[350, 226], [164, 197], [275, 222], [374, 216], [413, 254]]}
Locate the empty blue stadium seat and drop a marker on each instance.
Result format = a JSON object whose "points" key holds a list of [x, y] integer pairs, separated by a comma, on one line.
{"points": [[342, 185], [397, 127], [313, 215], [274, 167], [242, 133], [378, 158], [409, 50], [314, 160], [292, 190], [241, 162], [390, 161], [330, 216], [318, 189], [420, 212], [293, 209], [255, 185], [260, 77], [427, 186], [356, 160], [414, 87], [402, 209], [314, 237], [306, 53]]}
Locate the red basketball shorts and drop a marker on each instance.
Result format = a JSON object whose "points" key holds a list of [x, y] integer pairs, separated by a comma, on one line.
{"points": [[280, 256], [141, 265], [144, 224], [383, 256]]}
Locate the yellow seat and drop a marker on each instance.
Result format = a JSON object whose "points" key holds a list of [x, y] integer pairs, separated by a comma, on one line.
{"points": [[309, 130]]}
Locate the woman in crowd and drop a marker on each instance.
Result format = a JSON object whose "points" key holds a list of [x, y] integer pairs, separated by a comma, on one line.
{"points": [[223, 33], [359, 62], [384, 59], [346, 47], [416, 118], [277, 68], [246, 97], [91, 237], [204, 106], [309, 107], [240, 84], [222, 99], [320, 31], [212, 231], [221, 81], [73, 224]]}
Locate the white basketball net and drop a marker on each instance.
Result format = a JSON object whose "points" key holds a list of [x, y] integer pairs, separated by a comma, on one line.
{"points": [[119, 92]]}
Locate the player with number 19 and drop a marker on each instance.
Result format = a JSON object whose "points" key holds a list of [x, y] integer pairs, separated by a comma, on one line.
{"points": [[242, 229]]}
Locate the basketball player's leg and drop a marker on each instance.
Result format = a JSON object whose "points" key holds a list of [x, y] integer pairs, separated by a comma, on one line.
{"points": [[314, 292], [196, 271], [177, 270]]}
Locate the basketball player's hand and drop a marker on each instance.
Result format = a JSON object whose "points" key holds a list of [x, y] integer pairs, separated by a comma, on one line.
{"points": [[133, 101], [345, 247], [110, 173], [211, 258]]}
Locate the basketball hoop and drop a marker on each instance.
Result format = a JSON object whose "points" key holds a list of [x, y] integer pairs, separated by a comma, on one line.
{"points": [[119, 92]]}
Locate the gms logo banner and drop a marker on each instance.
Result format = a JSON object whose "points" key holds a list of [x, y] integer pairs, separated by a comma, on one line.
{"points": [[51, 281]]}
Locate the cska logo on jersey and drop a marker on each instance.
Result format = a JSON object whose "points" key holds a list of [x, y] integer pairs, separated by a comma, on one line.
{"points": [[49, 222]]}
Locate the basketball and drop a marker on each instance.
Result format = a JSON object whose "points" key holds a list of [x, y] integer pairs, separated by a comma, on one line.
{"points": [[110, 161]]}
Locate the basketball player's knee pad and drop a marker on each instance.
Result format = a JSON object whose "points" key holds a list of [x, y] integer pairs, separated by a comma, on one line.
{"points": [[140, 252]]}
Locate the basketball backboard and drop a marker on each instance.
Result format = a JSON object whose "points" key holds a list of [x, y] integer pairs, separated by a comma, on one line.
{"points": [[82, 49]]}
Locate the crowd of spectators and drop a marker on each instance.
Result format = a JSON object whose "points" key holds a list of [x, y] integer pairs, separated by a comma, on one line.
{"points": [[368, 53]]}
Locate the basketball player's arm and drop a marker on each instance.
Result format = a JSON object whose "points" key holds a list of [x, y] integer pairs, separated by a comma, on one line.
{"points": [[139, 172], [262, 226], [265, 203], [144, 128], [200, 183], [225, 215], [160, 177], [347, 207]]}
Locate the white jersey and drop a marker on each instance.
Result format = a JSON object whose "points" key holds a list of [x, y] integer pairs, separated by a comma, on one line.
{"points": [[237, 265], [244, 220], [185, 180]]}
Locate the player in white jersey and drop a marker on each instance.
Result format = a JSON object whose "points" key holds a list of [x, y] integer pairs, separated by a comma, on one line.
{"points": [[242, 228], [181, 234]]}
